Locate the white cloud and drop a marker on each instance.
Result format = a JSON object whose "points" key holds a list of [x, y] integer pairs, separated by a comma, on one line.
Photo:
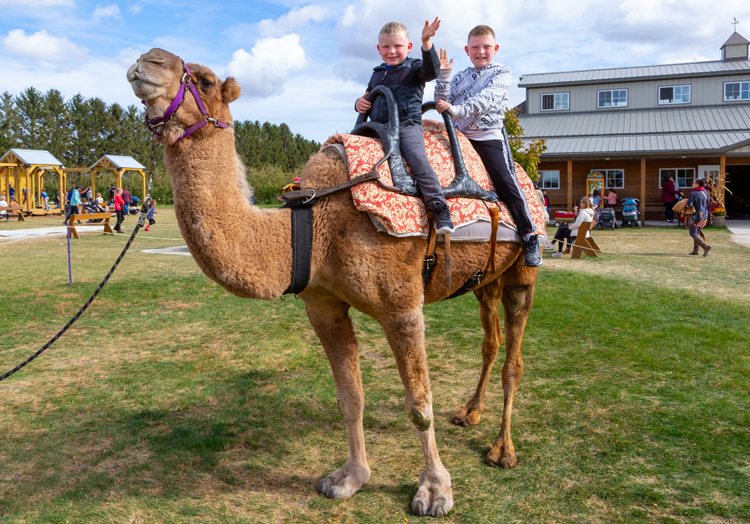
{"points": [[43, 47], [39, 3], [107, 11], [101, 78], [263, 71], [295, 18], [135, 9], [315, 105]]}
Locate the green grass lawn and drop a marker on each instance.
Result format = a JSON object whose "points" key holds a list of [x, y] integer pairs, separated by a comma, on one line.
{"points": [[172, 401]]}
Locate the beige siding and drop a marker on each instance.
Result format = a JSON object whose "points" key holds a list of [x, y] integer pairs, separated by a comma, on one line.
{"points": [[735, 51], [703, 91], [743, 149]]}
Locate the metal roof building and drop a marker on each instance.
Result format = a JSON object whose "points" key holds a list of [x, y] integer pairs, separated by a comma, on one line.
{"points": [[637, 125]]}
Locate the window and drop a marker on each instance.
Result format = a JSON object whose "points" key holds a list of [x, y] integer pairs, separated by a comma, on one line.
{"points": [[549, 179], [612, 98], [684, 176], [736, 91], [556, 102], [613, 178], [674, 95]]}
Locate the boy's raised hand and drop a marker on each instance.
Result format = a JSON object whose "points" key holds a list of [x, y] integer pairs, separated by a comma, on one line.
{"points": [[444, 64], [362, 105], [428, 32]]}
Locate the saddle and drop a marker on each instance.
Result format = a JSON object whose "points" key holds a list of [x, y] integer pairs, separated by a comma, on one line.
{"points": [[390, 196]]}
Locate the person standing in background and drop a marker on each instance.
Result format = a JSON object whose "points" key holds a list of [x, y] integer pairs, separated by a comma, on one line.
{"points": [[119, 211], [128, 198]]}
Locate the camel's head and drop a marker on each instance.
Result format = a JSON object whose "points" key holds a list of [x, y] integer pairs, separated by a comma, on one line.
{"points": [[156, 79]]}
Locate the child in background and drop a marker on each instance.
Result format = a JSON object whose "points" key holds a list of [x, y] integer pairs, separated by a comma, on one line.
{"points": [[45, 200], [476, 98], [406, 77], [612, 198], [3, 203], [150, 215]]}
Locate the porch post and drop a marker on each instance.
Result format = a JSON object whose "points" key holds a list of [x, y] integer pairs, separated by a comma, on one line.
{"points": [[722, 176], [643, 188], [570, 185]]}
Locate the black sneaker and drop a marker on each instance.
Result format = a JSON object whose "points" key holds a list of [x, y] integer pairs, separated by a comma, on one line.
{"points": [[532, 256], [441, 215]]}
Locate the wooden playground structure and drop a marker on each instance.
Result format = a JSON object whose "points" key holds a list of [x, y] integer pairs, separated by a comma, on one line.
{"points": [[24, 171]]}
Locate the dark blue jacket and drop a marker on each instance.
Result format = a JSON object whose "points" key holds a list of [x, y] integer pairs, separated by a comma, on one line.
{"points": [[407, 81]]}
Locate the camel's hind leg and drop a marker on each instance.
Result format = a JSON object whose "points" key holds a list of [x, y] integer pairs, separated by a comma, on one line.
{"points": [[405, 332], [330, 319], [489, 302], [517, 295]]}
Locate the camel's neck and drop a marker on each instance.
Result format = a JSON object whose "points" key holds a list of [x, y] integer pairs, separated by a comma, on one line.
{"points": [[243, 248]]}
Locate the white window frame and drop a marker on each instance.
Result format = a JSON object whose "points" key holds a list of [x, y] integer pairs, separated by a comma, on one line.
{"points": [[566, 98], [740, 99], [554, 174], [689, 94], [627, 98], [665, 172], [607, 173]]}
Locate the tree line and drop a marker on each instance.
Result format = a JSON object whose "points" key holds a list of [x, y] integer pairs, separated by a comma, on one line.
{"points": [[80, 130]]}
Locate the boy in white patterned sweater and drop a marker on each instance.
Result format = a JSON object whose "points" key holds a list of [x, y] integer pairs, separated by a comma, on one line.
{"points": [[476, 98]]}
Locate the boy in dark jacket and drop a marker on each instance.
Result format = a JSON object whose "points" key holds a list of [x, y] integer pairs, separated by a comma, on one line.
{"points": [[406, 77]]}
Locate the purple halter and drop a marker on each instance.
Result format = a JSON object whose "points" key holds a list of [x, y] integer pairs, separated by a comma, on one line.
{"points": [[187, 81]]}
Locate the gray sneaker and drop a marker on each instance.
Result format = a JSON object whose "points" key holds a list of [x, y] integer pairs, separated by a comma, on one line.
{"points": [[532, 255], [441, 215]]}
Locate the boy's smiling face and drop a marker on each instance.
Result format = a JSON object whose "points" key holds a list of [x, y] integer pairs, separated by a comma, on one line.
{"points": [[481, 50], [393, 49]]}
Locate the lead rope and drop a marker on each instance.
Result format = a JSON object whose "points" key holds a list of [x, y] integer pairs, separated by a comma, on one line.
{"points": [[141, 221]]}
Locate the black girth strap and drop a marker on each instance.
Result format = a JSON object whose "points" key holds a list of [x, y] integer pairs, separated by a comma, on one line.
{"points": [[302, 241], [474, 281]]}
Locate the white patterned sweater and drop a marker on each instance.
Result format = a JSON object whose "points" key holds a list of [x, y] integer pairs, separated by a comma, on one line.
{"points": [[478, 99]]}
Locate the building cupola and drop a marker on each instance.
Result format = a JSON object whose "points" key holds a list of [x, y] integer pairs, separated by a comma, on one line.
{"points": [[735, 48]]}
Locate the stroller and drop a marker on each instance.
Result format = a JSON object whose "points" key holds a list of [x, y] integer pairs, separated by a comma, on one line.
{"points": [[630, 212], [91, 207], [606, 219]]}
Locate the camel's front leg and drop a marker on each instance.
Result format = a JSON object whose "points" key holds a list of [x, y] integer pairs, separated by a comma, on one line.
{"points": [[489, 303], [518, 293], [330, 319], [405, 332]]}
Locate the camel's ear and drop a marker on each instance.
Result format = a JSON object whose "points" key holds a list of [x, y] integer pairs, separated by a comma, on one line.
{"points": [[230, 90]]}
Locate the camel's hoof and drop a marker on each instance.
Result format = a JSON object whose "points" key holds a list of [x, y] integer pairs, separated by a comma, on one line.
{"points": [[467, 418], [433, 501], [497, 458], [342, 485]]}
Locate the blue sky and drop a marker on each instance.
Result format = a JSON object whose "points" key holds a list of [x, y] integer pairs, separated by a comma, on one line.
{"points": [[304, 63]]}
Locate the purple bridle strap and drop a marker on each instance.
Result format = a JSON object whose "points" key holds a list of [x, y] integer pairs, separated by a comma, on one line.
{"points": [[187, 81]]}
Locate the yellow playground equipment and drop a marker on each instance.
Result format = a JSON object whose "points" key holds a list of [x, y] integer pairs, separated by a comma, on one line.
{"points": [[24, 170], [119, 165]]}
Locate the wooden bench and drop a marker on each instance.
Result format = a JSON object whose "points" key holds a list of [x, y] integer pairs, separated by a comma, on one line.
{"points": [[14, 210], [89, 216], [583, 244]]}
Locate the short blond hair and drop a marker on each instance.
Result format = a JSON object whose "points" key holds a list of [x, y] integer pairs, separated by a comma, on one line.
{"points": [[588, 202], [481, 30], [394, 28]]}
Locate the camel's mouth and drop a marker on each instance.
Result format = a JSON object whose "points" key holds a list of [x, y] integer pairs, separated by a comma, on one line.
{"points": [[144, 85]]}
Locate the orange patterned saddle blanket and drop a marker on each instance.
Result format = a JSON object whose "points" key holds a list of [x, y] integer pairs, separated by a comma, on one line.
{"points": [[402, 215]]}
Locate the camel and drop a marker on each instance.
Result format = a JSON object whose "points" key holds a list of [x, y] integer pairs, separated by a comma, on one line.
{"points": [[248, 252]]}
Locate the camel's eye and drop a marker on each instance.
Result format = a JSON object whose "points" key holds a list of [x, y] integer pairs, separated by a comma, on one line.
{"points": [[206, 83]]}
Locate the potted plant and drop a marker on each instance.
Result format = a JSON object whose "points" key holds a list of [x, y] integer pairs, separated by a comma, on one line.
{"points": [[718, 216]]}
